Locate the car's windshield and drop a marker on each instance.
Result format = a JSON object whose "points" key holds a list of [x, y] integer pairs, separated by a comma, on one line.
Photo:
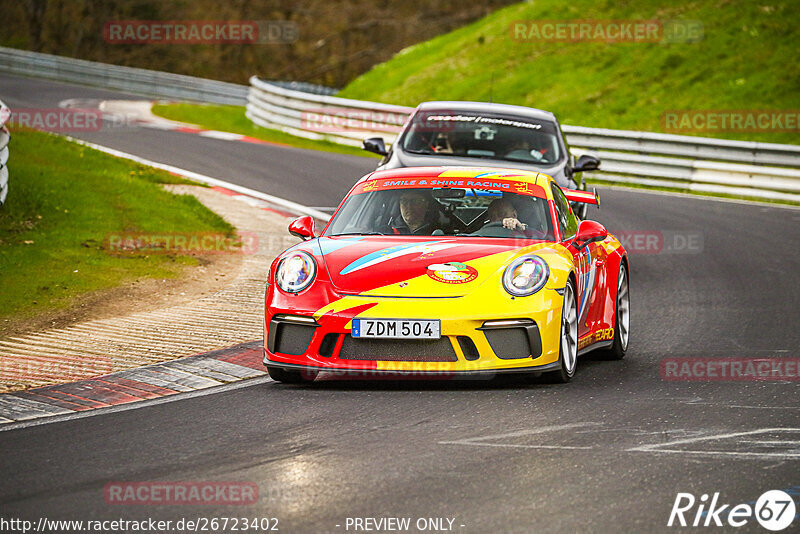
{"points": [[462, 211], [486, 136]]}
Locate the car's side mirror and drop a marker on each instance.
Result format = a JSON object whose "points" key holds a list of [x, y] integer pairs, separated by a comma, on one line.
{"points": [[375, 145], [589, 232], [586, 163], [302, 227]]}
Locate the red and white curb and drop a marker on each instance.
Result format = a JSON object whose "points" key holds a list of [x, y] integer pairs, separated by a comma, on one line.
{"points": [[213, 134], [180, 376], [138, 113]]}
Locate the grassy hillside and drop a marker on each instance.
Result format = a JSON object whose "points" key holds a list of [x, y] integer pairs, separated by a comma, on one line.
{"points": [[746, 60]]}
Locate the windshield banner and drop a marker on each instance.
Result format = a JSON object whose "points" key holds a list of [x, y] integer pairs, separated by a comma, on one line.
{"points": [[491, 181]]}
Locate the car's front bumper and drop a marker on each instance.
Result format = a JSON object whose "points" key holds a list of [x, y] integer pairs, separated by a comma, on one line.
{"points": [[521, 334]]}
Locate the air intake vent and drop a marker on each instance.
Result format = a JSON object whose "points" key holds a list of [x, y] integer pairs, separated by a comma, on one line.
{"points": [[468, 348], [289, 337], [513, 339]]}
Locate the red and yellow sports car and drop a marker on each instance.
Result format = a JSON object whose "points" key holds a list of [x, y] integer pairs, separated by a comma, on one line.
{"points": [[437, 271]]}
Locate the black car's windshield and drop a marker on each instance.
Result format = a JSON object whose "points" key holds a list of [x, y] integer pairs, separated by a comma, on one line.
{"points": [[483, 136], [444, 211]]}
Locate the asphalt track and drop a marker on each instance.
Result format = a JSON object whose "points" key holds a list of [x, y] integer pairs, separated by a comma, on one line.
{"points": [[596, 455]]}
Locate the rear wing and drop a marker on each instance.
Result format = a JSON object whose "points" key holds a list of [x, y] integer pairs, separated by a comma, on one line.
{"points": [[586, 197]]}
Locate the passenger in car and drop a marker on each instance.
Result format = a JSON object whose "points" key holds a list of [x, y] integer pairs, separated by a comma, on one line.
{"points": [[502, 221], [416, 214]]}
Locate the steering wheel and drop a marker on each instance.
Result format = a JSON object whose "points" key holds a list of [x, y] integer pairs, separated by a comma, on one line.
{"points": [[492, 228]]}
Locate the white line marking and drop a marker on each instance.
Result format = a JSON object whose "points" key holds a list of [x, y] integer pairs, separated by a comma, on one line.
{"points": [[510, 445], [658, 447], [521, 433], [766, 407], [770, 442], [723, 436], [742, 406], [141, 404], [766, 455], [288, 204]]}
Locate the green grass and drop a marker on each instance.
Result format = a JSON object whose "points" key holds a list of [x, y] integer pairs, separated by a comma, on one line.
{"points": [[63, 200], [747, 60], [232, 119]]}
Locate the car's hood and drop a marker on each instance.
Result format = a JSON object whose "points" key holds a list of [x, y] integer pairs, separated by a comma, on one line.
{"points": [[406, 266]]}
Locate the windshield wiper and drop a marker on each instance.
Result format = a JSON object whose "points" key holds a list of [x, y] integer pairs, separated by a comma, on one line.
{"points": [[356, 233], [540, 163], [481, 156]]}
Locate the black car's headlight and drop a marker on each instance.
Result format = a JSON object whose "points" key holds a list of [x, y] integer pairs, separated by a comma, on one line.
{"points": [[525, 276], [296, 272]]}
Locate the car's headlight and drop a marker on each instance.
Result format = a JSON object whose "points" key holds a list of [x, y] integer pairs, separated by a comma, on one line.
{"points": [[296, 272], [525, 276]]}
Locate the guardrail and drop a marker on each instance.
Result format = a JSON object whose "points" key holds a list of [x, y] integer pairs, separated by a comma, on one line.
{"points": [[149, 83], [760, 170], [322, 117], [5, 137]]}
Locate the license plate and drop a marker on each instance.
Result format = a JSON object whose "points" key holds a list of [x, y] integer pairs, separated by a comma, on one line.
{"points": [[396, 328]]}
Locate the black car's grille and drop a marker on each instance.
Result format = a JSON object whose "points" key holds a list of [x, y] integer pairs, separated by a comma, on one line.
{"points": [[398, 350]]}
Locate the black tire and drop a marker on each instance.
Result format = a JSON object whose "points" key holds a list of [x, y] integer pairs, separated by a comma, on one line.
{"points": [[622, 310], [288, 376], [568, 359]]}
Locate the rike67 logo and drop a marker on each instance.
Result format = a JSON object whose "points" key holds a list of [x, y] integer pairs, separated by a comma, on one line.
{"points": [[775, 510]]}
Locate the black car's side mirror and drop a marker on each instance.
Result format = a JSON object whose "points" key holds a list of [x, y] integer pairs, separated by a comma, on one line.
{"points": [[586, 163], [375, 145]]}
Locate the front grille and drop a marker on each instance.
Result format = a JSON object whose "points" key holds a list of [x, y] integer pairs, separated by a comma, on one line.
{"points": [[289, 338], [398, 350], [509, 343]]}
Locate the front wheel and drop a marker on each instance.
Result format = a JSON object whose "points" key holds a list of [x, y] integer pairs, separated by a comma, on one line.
{"points": [[568, 350], [622, 318], [288, 376]]}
